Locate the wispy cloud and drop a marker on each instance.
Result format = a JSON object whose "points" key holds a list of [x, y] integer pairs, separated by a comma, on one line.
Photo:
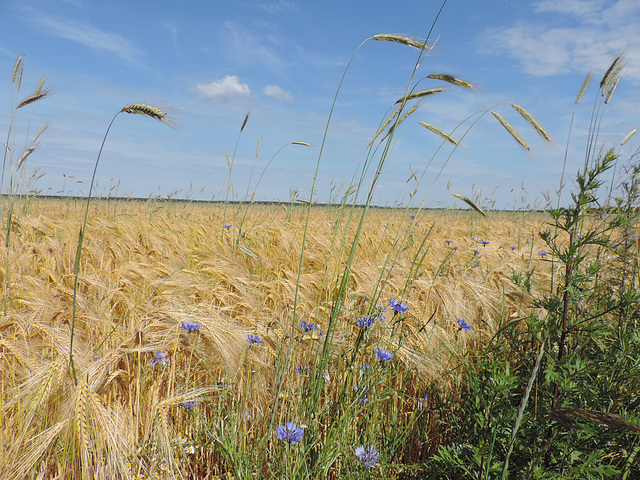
{"points": [[229, 86], [246, 47], [275, 7], [583, 35], [278, 93], [86, 35]]}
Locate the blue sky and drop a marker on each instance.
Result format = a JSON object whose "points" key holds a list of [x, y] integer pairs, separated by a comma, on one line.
{"points": [[210, 63]]}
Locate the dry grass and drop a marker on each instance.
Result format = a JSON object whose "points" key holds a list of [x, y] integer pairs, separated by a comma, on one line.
{"points": [[147, 267]]}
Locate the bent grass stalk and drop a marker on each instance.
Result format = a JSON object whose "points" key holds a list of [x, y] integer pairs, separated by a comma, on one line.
{"points": [[134, 109]]}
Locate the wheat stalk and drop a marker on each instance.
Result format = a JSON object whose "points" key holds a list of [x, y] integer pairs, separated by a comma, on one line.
{"points": [[421, 93], [437, 131], [401, 119], [511, 130], [385, 124], [451, 79], [403, 39], [533, 122]]}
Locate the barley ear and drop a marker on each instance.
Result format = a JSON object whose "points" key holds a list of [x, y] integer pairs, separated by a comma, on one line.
{"points": [[585, 84], [511, 130], [628, 136], [439, 132], [451, 79], [420, 94], [533, 122], [403, 39], [470, 203]]}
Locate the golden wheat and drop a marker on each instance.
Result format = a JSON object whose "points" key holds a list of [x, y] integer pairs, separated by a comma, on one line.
{"points": [[533, 122], [153, 266], [403, 39], [451, 79]]}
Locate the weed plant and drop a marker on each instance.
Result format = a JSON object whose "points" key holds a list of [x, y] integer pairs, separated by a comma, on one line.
{"points": [[555, 394]]}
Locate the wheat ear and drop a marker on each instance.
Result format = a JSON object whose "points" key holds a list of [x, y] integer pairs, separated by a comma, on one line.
{"points": [[533, 122], [511, 130]]}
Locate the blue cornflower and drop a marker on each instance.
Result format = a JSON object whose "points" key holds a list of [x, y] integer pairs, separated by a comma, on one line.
{"points": [[227, 227], [366, 322], [455, 248], [463, 324], [476, 252], [160, 358], [367, 455], [364, 368], [476, 264], [473, 238], [398, 307], [188, 405], [291, 433], [383, 355], [191, 326], [512, 248], [302, 369], [254, 339], [482, 242], [308, 327], [412, 217], [448, 242], [542, 254]]}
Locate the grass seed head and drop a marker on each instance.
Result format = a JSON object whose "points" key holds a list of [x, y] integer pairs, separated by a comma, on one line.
{"points": [[403, 39], [33, 98], [16, 68], [518, 138], [437, 131], [608, 74], [533, 122], [628, 136], [420, 94], [149, 111], [451, 79], [583, 89]]}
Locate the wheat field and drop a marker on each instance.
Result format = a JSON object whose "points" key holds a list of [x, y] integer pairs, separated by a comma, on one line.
{"points": [[147, 267]]}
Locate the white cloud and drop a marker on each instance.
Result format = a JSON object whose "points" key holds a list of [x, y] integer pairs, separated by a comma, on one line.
{"points": [[277, 93], [583, 35], [86, 35], [229, 86]]}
